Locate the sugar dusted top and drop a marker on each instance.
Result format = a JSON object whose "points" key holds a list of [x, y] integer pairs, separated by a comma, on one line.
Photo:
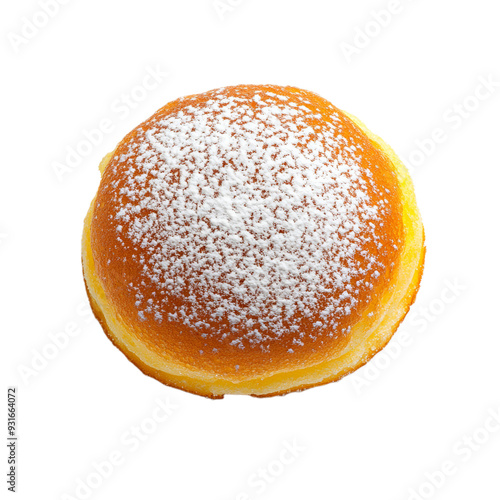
{"points": [[249, 217]]}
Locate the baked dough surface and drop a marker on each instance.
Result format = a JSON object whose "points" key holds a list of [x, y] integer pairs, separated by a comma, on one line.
{"points": [[217, 353]]}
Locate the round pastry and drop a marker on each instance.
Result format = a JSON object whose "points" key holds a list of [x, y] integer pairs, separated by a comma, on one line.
{"points": [[252, 240]]}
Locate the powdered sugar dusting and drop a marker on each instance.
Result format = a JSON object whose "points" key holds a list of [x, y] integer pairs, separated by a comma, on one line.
{"points": [[250, 212]]}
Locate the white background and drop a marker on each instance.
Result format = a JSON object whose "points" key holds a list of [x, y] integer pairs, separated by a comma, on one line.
{"points": [[378, 434]]}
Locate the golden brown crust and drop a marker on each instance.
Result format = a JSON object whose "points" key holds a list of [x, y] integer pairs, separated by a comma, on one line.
{"points": [[412, 295], [162, 377], [109, 267], [179, 383]]}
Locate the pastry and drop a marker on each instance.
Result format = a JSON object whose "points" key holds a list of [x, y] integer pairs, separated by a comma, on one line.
{"points": [[253, 240]]}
